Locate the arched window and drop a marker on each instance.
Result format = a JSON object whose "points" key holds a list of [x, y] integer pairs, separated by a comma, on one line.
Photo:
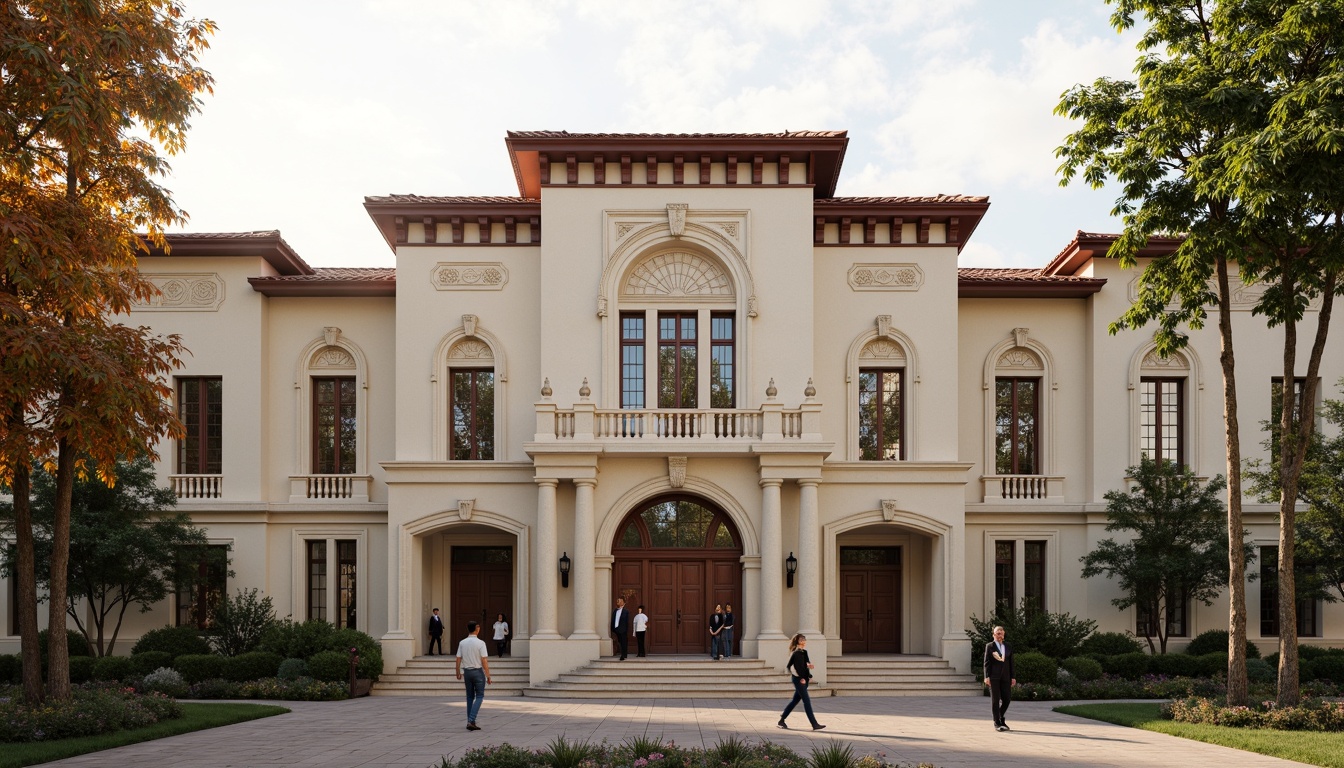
{"points": [[1163, 391], [678, 523], [881, 371], [332, 409], [469, 381], [1019, 385]]}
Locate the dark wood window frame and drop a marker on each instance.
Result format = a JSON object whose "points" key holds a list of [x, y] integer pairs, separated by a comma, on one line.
{"points": [[1269, 599], [339, 435], [1016, 451], [679, 343], [634, 374], [882, 439], [474, 451], [718, 343], [316, 557], [1034, 557], [347, 583], [195, 605], [204, 429], [1005, 562], [1159, 424]]}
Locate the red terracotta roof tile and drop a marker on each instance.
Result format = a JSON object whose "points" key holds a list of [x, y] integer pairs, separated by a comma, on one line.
{"points": [[580, 135], [901, 200], [449, 199]]}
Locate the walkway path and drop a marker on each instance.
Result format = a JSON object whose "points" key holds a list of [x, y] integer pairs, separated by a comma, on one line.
{"points": [[417, 732]]}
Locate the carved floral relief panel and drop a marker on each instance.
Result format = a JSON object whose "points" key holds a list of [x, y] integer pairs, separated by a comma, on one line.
{"points": [[197, 292], [885, 277], [469, 276]]}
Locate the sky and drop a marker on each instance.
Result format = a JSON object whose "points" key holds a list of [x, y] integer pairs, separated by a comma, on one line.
{"points": [[318, 104]]}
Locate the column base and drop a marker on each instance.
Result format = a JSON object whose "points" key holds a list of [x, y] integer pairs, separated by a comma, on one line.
{"points": [[398, 647], [774, 650], [551, 657], [957, 652], [584, 635]]}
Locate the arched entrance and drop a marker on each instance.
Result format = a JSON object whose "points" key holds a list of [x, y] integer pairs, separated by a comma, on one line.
{"points": [[678, 556]]}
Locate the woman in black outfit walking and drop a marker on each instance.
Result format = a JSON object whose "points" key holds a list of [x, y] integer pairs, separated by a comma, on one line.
{"points": [[801, 670]]}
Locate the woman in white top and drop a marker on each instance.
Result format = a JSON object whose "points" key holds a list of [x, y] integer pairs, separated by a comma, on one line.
{"points": [[501, 634], [641, 625]]}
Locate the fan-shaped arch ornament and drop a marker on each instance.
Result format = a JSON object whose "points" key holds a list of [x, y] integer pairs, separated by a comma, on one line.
{"points": [[677, 273]]}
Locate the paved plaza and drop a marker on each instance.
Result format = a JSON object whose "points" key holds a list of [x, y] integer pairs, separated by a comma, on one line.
{"points": [[417, 732]]}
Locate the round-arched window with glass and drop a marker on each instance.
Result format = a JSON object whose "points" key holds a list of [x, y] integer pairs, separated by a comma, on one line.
{"points": [[678, 523]]}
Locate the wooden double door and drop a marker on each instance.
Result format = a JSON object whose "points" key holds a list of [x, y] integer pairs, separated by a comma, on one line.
{"points": [[870, 599], [481, 588], [679, 594]]}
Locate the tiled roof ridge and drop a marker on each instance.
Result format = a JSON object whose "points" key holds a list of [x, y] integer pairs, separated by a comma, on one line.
{"points": [[939, 198], [325, 274], [805, 134], [1016, 275], [257, 233], [448, 199]]}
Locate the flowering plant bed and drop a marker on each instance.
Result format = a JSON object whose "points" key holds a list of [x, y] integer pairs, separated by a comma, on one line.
{"points": [[653, 753], [1311, 715], [91, 710], [1152, 687]]}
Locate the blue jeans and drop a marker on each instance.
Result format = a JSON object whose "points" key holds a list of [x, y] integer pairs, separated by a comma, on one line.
{"points": [[799, 694], [727, 635], [716, 645], [475, 681]]}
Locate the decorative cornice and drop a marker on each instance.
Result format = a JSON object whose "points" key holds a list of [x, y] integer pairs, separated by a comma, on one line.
{"points": [[393, 214]]}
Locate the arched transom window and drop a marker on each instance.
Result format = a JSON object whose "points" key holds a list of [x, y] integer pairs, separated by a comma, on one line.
{"points": [[678, 523], [471, 400]]}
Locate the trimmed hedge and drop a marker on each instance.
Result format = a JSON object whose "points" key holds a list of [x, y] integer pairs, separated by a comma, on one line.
{"points": [[11, 668], [370, 652], [75, 642], [175, 641], [1215, 641], [150, 661], [1130, 666], [297, 640], [1083, 668], [292, 669], [1176, 665], [334, 666], [112, 668], [1212, 664], [81, 669], [196, 667], [1032, 667], [1259, 671], [1328, 668], [1111, 644], [251, 666]]}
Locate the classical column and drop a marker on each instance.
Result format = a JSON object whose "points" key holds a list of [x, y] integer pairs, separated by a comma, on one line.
{"points": [[772, 562], [546, 570], [809, 559], [584, 576]]}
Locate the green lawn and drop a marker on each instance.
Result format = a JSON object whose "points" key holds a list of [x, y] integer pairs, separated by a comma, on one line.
{"points": [[195, 717], [1303, 746]]}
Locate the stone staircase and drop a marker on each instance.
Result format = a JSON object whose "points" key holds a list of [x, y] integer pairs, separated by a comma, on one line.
{"points": [[669, 677], [433, 676], [897, 675]]}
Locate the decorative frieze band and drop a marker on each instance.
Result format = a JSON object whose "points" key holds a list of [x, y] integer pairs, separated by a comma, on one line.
{"points": [[469, 276], [885, 277], [1244, 297], [197, 292]]}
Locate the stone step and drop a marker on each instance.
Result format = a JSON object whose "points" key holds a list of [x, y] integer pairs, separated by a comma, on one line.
{"points": [[690, 691]]}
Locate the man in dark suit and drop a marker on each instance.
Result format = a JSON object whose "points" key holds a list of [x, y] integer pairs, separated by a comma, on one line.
{"points": [[999, 676], [620, 627], [435, 632]]}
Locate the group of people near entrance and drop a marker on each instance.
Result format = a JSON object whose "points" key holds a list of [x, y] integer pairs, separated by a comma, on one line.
{"points": [[472, 664], [722, 624]]}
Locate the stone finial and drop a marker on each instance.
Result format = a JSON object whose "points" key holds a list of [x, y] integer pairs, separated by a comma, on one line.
{"points": [[771, 390], [585, 390], [546, 388], [330, 334], [811, 391], [469, 324]]}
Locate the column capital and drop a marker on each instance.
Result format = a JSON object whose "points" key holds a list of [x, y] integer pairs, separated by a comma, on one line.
{"points": [[767, 482], [545, 481], [812, 481], [591, 482]]}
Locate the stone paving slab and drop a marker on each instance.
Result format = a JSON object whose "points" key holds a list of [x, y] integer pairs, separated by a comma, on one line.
{"points": [[415, 732]]}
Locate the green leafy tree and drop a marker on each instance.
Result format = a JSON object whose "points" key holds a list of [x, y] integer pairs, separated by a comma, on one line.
{"points": [[94, 94], [1228, 139], [128, 548], [1177, 547], [241, 622]]}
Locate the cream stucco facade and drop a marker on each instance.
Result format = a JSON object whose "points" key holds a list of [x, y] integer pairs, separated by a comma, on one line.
{"points": [[736, 232]]}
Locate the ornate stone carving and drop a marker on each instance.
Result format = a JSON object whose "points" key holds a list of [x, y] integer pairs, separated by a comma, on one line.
{"points": [[676, 471], [623, 229], [676, 218], [771, 390], [1019, 357], [330, 334], [546, 388], [751, 306], [469, 276], [465, 507], [810, 391], [332, 357], [729, 228], [584, 390], [677, 273], [883, 349], [471, 349], [883, 325], [1020, 336], [889, 509], [1176, 361], [202, 292], [469, 323], [885, 277]]}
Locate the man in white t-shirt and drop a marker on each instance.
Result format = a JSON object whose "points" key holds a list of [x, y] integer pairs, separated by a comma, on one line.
{"points": [[641, 621], [473, 668]]}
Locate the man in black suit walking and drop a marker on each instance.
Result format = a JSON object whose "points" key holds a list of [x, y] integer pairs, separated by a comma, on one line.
{"points": [[620, 627], [435, 632], [999, 676]]}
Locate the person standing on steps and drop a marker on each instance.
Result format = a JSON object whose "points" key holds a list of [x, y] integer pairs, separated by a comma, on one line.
{"points": [[501, 634], [800, 668], [716, 633], [1000, 677], [473, 669], [435, 632], [641, 626], [620, 627], [729, 623]]}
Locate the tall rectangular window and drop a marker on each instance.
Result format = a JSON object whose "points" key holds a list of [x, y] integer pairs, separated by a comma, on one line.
{"points": [[1033, 574], [317, 579], [203, 583], [200, 407], [473, 408], [1276, 395], [1178, 617], [676, 359], [334, 425], [1269, 599], [1016, 426], [1161, 404], [632, 360], [722, 380], [881, 415], [1004, 596], [346, 583]]}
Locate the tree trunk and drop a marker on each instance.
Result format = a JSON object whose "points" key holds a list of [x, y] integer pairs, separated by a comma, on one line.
{"points": [[58, 649], [27, 585], [1289, 692], [1237, 693]]}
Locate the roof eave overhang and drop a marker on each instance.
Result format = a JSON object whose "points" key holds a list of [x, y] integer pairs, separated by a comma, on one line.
{"points": [[1086, 247], [384, 214], [327, 288], [969, 214], [272, 248], [1019, 289]]}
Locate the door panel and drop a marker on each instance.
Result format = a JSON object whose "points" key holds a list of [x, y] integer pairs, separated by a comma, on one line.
{"points": [[692, 634], [478, 593], [870, 608], [662, 608]]}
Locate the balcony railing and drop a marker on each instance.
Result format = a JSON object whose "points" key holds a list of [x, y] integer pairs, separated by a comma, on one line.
{"points": [[310, 488], [772, 422], [1022, 488], [197, 486]]}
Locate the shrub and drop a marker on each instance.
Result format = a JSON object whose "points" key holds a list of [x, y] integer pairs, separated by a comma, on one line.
{"points": [[112, 668], [1032, 667], [1175, 665], [1057, 635], [1328, 668], [562, 753], [144, 663], [76, 642], [241, 622], [196, 667], [1111, 644], [167, 681], [292, 669], [175, 641], [303, 689], [1083, 668], [88, 712], [11, 668], [252, 666], [833, 755], [297, 640], [81, 669], [1214, 641], [1258, 671], [214, 689], [330, 666], [1313, 652], [1312, 715], [1213, 664], [1130, 666], [502, 756], [370, 652]]}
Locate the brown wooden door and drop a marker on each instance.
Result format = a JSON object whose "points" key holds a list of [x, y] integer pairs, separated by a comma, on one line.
{"points": [[481, 588], [870, 599]]}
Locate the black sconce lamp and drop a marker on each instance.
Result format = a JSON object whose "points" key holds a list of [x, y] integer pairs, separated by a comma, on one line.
{"points": [[790, 568], [564, 570]]}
